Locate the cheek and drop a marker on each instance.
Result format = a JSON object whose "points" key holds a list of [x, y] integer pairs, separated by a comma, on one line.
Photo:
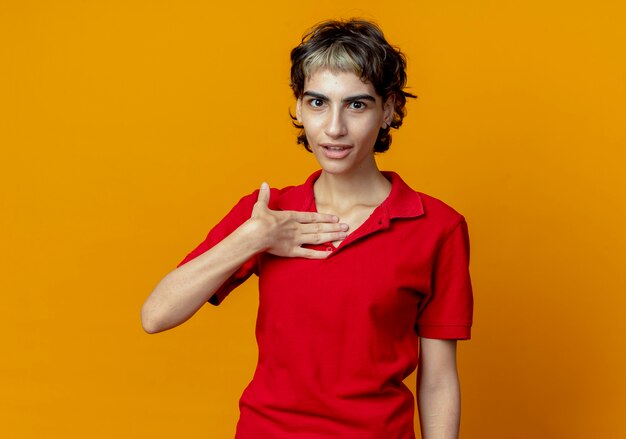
{"points": [[368, 130], [309, 131], [311, 125], [299, 111]]}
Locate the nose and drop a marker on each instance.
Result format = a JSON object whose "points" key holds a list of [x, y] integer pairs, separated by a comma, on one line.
{"points": [[335, 124]]}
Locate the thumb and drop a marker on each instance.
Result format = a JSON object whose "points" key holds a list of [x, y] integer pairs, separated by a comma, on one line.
{"points": [[264, 195]]}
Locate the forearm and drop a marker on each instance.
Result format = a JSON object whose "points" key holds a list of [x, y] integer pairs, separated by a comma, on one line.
{"points": [[187, 288], [438, 391], [440, 409]]}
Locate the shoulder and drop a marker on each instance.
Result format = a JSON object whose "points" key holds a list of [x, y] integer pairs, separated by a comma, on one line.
{"points": [[438, 210], [430, 212], [443, 219]]}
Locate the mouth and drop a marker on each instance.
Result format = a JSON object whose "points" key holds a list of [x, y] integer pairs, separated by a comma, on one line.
{"points": [[335, 151], [334, 147]]}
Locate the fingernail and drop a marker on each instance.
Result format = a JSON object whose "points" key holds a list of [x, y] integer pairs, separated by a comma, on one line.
{"points": [[343, 226]]}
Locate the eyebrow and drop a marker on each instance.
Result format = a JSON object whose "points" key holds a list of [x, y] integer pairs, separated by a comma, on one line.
{"points": [[361, 97]]}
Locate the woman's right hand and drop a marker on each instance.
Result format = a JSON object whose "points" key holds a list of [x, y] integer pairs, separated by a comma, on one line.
{"points": [[282, 233]]}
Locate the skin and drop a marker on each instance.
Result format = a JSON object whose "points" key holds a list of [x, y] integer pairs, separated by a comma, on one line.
{"points": [[438, 390], [342, 116]]}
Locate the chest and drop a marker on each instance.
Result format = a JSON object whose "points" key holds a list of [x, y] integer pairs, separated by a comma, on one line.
{"points": [[380, 275], [354, 218]]}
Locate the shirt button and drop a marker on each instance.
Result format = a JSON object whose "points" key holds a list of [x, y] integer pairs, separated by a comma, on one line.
{"points": [[329, 249]]}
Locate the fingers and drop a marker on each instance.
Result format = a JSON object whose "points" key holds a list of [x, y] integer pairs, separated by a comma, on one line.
{"points": [[312, 217], [323, 227], [264, 194], [311, 254], [319, 238], [317, 233]]}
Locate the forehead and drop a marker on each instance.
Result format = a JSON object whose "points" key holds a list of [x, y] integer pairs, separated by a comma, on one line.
{"points": [[338, 83]]}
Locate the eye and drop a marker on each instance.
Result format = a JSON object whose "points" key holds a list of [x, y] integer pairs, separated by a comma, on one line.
{"points": [[316, 102], [358, 105]]}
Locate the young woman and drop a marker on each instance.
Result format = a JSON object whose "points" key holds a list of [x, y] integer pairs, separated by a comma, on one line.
{"points": [[356, 269]]}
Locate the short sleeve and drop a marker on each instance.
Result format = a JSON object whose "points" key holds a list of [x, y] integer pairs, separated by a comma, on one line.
{"points": [[237, 216], [447, 312]]}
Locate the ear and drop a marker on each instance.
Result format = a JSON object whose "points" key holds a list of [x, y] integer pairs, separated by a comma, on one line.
{"points": [[388, 110], [299, 110]]}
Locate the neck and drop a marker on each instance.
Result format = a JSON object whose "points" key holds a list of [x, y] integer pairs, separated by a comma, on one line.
{"points": [[368, 187]]}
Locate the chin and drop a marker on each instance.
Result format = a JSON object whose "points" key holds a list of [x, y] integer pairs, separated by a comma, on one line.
{"points": [[336, 168]]}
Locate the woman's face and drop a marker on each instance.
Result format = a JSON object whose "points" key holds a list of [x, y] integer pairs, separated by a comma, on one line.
{"points": [[342, 116]]}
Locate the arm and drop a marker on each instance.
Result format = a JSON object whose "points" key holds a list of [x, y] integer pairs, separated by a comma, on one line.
{"points": [[438, 391], [184, 290]]}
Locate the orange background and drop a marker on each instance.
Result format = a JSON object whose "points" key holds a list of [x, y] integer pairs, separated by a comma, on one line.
{"points": [[127, 129]]}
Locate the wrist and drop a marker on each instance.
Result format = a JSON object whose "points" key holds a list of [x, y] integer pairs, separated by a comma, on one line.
{"points": [[253, 236]]}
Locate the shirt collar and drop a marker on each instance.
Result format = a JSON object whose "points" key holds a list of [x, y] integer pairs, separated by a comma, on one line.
{"points": [[402, 201]]}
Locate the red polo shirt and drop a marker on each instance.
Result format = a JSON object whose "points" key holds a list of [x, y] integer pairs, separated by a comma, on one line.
{"points": [[337, 336]]}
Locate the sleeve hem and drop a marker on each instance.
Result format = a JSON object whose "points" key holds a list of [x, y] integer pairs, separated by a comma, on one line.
{"points": [[236, 279], [215, 300], [447, 332]]}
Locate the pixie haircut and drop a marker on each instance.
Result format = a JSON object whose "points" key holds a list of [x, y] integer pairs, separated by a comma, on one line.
{"points": [[356, 46]]}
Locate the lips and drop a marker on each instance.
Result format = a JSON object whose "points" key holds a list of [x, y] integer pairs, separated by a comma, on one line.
{"points": [[335, 151]]}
